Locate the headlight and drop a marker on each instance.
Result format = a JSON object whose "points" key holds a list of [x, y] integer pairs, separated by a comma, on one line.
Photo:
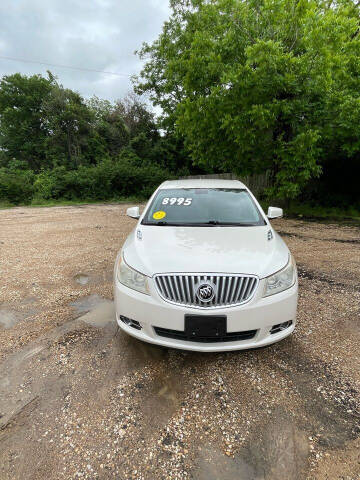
{"points": [[131, 278], [281, 280]]}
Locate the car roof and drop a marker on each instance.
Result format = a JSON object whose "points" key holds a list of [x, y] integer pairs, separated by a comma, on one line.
{"points": [[202, 183]]}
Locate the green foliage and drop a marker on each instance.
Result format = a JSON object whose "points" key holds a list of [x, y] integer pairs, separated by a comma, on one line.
{"points": [[325, 213], [56, 146], [123, 177], [69, 125], [22, 130], [261, 84], [16, 186], [47, 126]]}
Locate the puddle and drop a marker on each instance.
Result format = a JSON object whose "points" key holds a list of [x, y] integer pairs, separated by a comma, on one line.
{"points": [[101, 315], [8, 318], [29, 301], [351, 323], [82, 279], [168, 390], [280, 451], [214, 465], [163, 395], [135, 354], [85, 304]]}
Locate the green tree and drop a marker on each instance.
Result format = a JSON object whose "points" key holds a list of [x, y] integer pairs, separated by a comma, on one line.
{"points": [[137, 117], [22, 128], [261, 84], [69, 124], [109, 125]]}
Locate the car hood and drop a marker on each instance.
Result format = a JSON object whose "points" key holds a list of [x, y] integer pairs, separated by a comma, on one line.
{"points": [[166, 249]]}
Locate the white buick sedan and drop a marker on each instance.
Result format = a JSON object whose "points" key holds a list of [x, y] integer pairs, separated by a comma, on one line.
{"points": [[204, 270]]}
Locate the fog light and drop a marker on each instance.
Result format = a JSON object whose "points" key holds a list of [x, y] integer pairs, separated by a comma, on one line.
{"points": [[280, 326], [131, 323]]}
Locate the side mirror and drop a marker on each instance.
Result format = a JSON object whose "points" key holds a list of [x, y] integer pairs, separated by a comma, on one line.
{"points": [[274, 212], [133, 212]]}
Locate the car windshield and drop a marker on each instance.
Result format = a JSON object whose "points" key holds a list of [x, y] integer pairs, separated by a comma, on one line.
{"points": [[203, 207]]}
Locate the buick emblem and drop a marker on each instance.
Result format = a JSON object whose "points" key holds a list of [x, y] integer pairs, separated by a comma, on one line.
{"points": [[205, 292]]}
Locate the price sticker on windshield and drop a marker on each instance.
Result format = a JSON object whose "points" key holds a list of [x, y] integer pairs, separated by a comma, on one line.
{"points": [[177, 201], [159, 215]]}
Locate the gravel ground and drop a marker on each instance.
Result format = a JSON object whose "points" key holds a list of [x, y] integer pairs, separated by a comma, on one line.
{"points": [[79, 399]]}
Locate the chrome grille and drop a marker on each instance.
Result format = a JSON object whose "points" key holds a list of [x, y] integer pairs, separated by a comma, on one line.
{"points": [[229, 289]]}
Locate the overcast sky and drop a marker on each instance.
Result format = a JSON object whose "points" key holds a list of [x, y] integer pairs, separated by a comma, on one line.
{"points": [[94, 34]]}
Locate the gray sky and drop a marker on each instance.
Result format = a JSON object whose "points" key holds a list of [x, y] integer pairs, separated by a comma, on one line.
{"points": [[94, 34]]}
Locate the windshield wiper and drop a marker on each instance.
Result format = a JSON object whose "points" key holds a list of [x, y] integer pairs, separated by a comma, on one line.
{"points": [[161, 223], [237, 224]]}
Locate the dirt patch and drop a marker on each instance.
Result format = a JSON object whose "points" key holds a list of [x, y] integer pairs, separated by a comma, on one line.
{"points": [[355, 241], [308, 274]]}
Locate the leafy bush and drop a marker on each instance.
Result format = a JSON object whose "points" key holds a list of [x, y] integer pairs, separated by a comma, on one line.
{"points": [[126, 176], [16, 186]]}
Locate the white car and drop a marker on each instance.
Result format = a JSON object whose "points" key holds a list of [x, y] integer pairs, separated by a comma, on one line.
{"points": [[204, 270]]}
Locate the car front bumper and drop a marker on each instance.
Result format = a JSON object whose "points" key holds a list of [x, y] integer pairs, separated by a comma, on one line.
{"points": [[260, 314]]}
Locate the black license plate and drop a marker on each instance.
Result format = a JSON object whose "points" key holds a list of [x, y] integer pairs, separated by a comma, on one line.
{"points": [[213, 326]]}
